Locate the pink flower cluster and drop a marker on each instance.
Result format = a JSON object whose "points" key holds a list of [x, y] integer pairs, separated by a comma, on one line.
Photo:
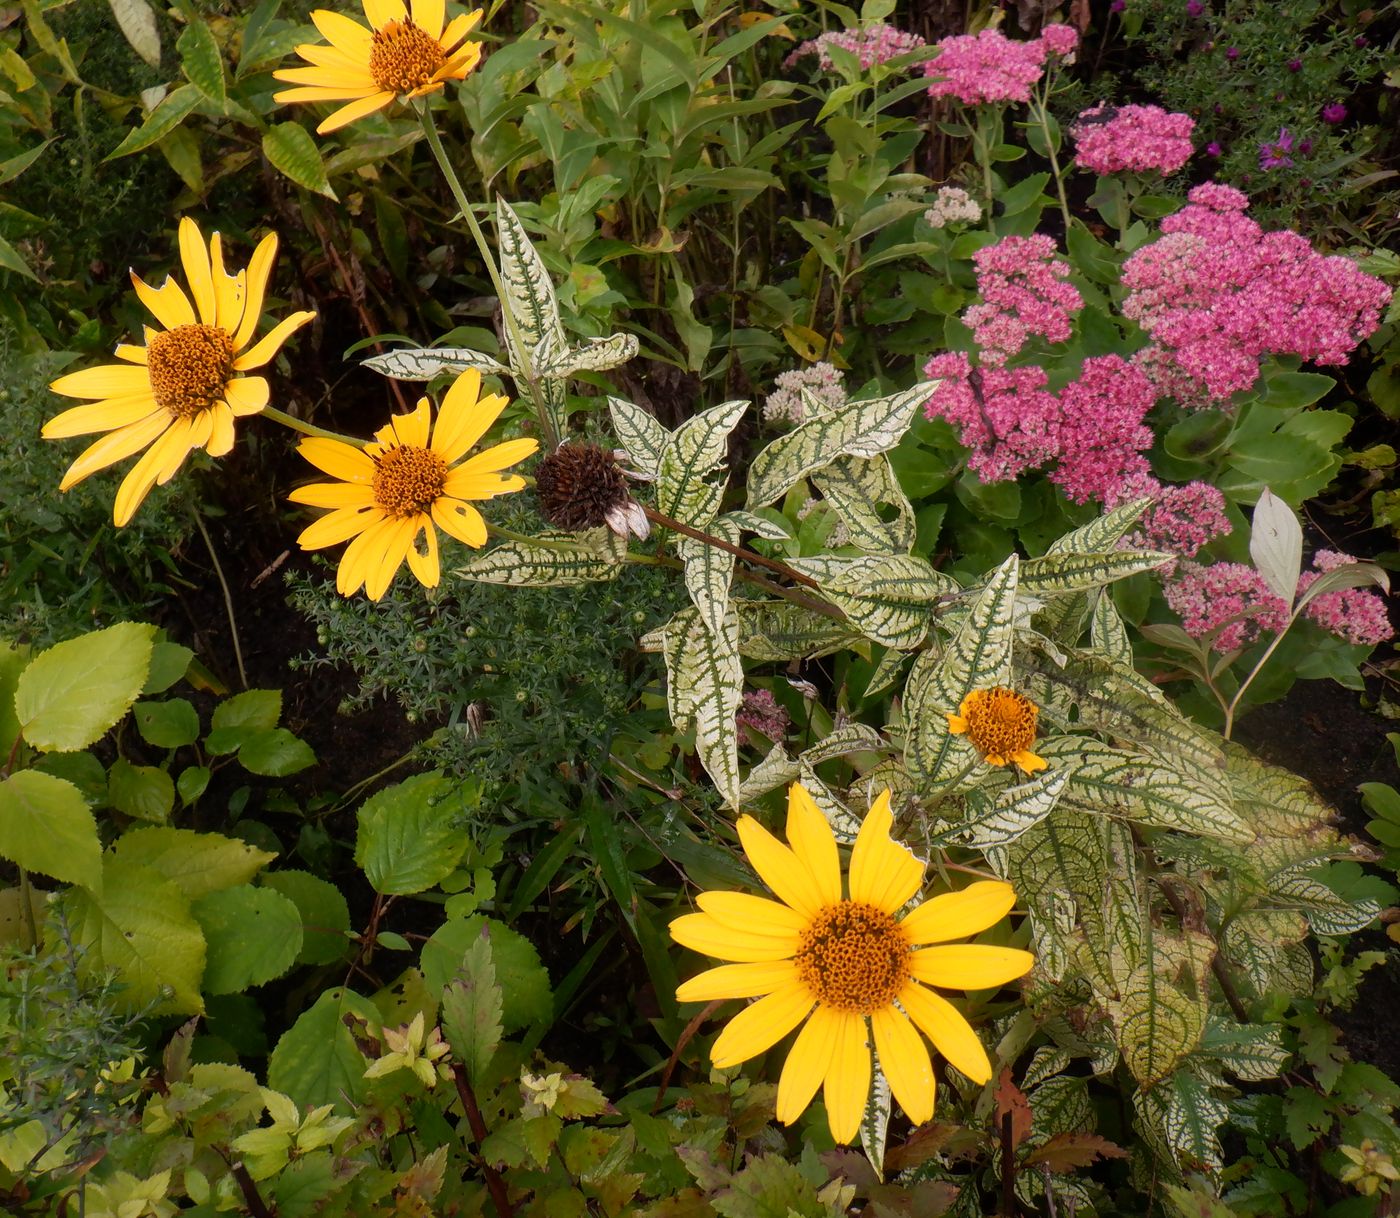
{"points": [[874, 44], [1024, 292], [1138, 139], [1217, 294], [1206, 598], [1005, 415], [1357, 615], [1101, 433], [1182, 519], [988, 68], [761, 713]]}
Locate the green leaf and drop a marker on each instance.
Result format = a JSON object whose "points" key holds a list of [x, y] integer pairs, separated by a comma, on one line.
{"points": [[704, 686], [425, 363], [201, 61], [75, 692], [168, 115], [275, 753], [471, 1010], [640, 433], [410, 835], [694, 451], [143, 791], [325, 916], [167, 725], [568, 560], [317, 1061], [1181, 1118], [525, 991], [1015, 810], [291, 150], [46, 826], [10, 260], [257, 708], [1294, 390], [595, 355], [890, 597], [1159, 1024], [532, 302], [140, 927], [858, 429], [855, 487], [253, 935], [196, 863], [1024, 195], [192, 783], [169, 663], [138, 23], [1056, 574], [709, 572], [12, 662]]}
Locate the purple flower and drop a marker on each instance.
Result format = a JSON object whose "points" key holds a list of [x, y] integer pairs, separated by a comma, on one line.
{"points": [[1361, 40], [1275, 155], [1295, 65], [1232, 53], [1305, 147], [1117, 6], [1194, 8], [1334, 113], [1213, 149]]}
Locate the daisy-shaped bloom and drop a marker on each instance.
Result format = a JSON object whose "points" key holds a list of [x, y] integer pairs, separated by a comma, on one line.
{"points": [[1001, 725], [405, 483], [400, 56], [184, 388], [847, 965]]}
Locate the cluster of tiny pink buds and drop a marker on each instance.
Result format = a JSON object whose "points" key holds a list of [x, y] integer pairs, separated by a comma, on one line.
{"points": [[1357, 615], [874, 44], [1059, 39], [1182, 520], [952, 206], [986, 68], [1004, 415], [1137, 139], [1024, 292], [761, 713], [1207, 597], [1101, 432], [824, 381]]}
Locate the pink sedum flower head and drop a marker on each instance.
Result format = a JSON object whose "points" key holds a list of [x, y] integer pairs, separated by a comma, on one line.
{"points": [[762, 713], [1004, 415], [1183, 520], [986, 69], [872, 45], [1060, 40], [1356, 615], [1208, 597], [1025, 293], [1135, 139], [1101, 433]]}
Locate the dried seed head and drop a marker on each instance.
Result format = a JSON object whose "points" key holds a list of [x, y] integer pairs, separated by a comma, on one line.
{"points": [[581, 486]]}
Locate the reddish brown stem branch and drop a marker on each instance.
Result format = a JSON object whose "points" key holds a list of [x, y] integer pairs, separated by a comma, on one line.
{"points": [[494, 1184], [758, 560]]}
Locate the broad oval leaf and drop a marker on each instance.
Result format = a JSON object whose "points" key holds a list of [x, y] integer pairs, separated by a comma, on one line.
{"points": [[46, 826], [410, 835], [1276, 545], [317, 1060], [1158, 1025], [325, 915], [252, 935], [196, 863], [293, 152]]}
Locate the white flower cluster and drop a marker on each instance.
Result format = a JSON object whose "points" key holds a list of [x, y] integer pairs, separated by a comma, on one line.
{"points": [[822, 380], [952, 204]]}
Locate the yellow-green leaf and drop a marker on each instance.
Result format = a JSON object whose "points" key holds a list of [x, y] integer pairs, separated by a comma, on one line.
{"points": [[292, 151]]}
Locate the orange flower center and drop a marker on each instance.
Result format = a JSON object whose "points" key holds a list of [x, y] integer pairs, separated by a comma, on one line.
{"points": [[854, 957], [403, 57], [190, 368], [407, 480], [1000, 722]]}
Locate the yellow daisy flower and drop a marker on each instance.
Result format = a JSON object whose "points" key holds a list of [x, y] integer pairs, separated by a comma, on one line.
{"points": [[838, 962], [182, 390], [404, 483], [398, 57], [1001, 725]]}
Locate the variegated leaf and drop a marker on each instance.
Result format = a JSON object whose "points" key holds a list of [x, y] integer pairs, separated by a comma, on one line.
{"points": [[844, 823], [1252, 1052], [1275, 801], [995, 821], [1107, 779], [424, 363], [1058, 574], [752, 522], [890, 597], [1326, 912], [1180, 1118], [875, 1124], [694, 451], [979, 656], [1109, 633], [776, 769], [709, 572], [776, 631], [1046, 1062], [858, 429], [843, 740], [705, 684], [562, 560], [640, 434], [1101, 535], [595, 355], [1158, 1025], [886, 672], [855, 487], [534, 309]]}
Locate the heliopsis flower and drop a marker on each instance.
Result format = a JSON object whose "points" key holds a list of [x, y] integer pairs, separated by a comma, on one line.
{"points": [[840, 961], [182, 390], [404, 483], [1001, 725], [398, 57]]}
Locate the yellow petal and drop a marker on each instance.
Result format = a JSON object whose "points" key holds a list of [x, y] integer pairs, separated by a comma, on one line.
{"points": [[746, 912], [905, 1062], [705, 934], [247, 395], [1028, 762], [810, 837], [969, 966], [228, 289], [807, 1062], [380, 575], [344, 34], [411, 430], [779, 868], [195, 259], [255, 288], [465, 416], [221, 433], [132, 354], [356, 110], [338, 459], [481, 486], [458, 28], [381, 12], [951, 1034], [332, 57], [848, 1079], [461, 64], [426, 568], [428, 16], [738, 981], [142, 476], [761, 1026], [168, 303], [106, 415], [499, 456], [333, 494], [460, 520], [104, 381], [957, 725], [270, 343], [346, 81], [338, 526], [956, 915], [173, 447], [362, 555], [201, 429], [884, 873], [115, 446]]}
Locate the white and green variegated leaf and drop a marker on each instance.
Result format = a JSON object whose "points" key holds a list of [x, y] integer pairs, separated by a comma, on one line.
{"points": [[858, 429], [424, 363], [562, 560], [1142, 789], [875, 1124], [705, 684], [693, 453], [752, 522], [977, 657], [640, 433], [1058, 574], [1109, 633], [1274, 800], [813, 406], [534, 308], [776, 769], [1102, 534], [855, 487], [844, 823], [595, 355], [844, 740], [775, 631], [1252, 1052], [709, 572], [1046, 1062], [1060, 1104], [1000, 819], [1181, 1117], [1158, 1025], [886, 672], [890, 597], [1326, 912]]}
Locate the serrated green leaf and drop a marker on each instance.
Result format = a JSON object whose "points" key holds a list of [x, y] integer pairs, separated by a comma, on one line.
{"points": [[73, 693], [46, 826], [858, 429], [252, 934], [1013, 811], [471, 1010], [169, 663], [138, 24], [201, 61], [167, 725], [292, 151], [640, 433], [696, 449], [1058, 574], [317, 1061], [144, 791], [1158, 1025], [704, 686], [709, 572], [324, 913], [524, 984], [196, 863], [425, 363], [890, 597], [168, 115], [855, 487], [569, 559], [410, 836], [595, 355]]}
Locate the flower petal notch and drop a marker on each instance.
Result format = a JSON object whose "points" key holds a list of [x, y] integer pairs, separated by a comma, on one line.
{"points": [[185, 387], [848, 966], [405, 53], [409, 482], [1000, 723]]}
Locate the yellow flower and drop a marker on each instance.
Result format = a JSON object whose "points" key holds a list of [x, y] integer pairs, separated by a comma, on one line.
{"points": [[1001, 725], [843, 961], [399, 56], [182, 390], [405, 483]]}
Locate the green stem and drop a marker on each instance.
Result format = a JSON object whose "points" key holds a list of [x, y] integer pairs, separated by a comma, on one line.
{"points": [[307, 429], [979, 142], [26, 904], [1254, 672], [228, 596], [1042, 116]]}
